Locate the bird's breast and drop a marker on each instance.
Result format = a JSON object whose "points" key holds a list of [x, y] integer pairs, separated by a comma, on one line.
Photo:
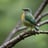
{"points": [[22, 17]]}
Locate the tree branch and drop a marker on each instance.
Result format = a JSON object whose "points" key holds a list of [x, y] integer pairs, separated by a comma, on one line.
{"points": [[41, 16], [15, 30], [20, 37], [41, 8], [42, 23]]}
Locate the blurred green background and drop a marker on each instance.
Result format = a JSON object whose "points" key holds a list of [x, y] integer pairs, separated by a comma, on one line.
{"points": [[10, 11]]}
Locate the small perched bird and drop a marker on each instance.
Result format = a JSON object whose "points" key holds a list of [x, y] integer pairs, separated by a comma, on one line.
{"points": [[28, 19]]}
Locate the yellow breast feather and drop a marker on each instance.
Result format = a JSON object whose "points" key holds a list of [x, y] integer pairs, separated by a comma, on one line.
{"points": [[22, 17]]}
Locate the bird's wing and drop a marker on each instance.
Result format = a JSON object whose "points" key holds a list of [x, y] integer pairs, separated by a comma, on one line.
{"points": [[30, 19]]}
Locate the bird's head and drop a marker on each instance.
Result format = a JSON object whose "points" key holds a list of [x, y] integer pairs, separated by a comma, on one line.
{"points": [[26, 10]]}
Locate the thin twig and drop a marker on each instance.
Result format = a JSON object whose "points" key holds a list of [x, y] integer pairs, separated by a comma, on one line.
{"points": [[41, 16], [42, 23], [20, 37], [41, 8]]}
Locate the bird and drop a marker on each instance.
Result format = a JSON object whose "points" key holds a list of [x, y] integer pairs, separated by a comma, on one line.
{"points": [[28, 19]]}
